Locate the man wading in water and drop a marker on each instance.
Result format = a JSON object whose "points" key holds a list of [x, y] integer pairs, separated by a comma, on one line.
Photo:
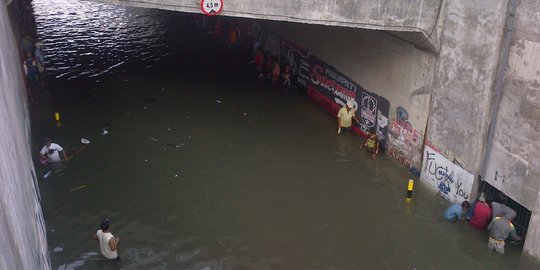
{"points": [[345, 116], [108, 244], [50, 152], [372, 143]]}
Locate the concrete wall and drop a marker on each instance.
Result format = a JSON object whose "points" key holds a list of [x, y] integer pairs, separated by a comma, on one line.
{"points": [[464, 76], [22, 229], [378, 61], [414, 16], [513, 163]]}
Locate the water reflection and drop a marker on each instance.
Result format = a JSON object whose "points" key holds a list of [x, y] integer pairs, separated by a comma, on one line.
{"points": [[262, 180], [89, 39]]}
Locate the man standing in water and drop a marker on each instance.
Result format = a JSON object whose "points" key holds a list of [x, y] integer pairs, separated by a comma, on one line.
{"points": [[499, 229], [49, 152], [372, 143], [345, 116], [108, 244]]}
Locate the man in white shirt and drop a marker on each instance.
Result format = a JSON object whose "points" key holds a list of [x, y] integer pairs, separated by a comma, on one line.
{"points": [[345, 116], [108, 244], [50, 152]]}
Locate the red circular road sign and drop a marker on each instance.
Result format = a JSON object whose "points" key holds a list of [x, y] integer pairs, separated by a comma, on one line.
{"points": [[211, 7]]}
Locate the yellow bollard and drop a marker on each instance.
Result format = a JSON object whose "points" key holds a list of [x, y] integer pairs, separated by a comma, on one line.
{"points": [[410, 187], [57, 116]]}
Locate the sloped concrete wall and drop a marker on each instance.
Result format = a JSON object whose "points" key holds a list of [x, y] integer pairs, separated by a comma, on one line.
{"points": [[464, 77], [380, 62], [418, 16], [22, 228], [513, 163]]}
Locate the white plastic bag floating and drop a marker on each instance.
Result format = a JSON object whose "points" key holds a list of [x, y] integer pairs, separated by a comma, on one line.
{"points": [[84, 141]]}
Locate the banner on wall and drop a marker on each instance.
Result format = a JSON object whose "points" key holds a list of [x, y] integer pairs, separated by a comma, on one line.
{"points": [[332, 89], [449, 180]]}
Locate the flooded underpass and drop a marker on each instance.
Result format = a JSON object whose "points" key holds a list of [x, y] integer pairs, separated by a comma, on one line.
{"points": [[205, 167]]}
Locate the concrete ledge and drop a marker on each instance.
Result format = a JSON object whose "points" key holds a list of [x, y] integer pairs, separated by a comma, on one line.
{"points": [[414, 21]]}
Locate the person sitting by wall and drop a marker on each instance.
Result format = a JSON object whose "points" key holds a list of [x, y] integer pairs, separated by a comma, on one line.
{"points": [[499, 206], [40, 60], [30, 68], [27, 44], [259, 61], [287, 75], [268, 66], [276, 71], [456, 211], [232, 38], [482, 214]]}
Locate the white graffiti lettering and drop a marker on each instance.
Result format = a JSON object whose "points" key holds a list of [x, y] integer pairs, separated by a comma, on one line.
{"points": [[450, 181]]}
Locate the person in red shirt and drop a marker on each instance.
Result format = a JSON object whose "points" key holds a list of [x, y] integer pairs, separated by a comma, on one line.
{"points": [[482, 214], [259, 60]]}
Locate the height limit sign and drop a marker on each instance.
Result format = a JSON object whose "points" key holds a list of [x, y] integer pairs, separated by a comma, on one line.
{"points": [[211, 7]]}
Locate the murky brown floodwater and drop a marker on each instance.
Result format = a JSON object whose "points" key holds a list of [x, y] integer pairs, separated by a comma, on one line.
{"points": [[263, 182]]}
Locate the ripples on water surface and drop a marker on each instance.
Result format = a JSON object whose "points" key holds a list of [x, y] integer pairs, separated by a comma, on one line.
{"points": [[88, 39], [258, 180]]}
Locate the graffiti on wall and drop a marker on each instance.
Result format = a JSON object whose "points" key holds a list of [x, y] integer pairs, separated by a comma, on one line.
{"points": [[290, 53], [272, 45], [331, 89], [499, 176], [404, 142], [449, 180]]}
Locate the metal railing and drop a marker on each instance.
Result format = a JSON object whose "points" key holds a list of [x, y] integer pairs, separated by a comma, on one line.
{"points": [[521, 221]]}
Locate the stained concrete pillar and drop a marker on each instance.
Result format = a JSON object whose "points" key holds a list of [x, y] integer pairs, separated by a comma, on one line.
{"points": [[22, 228], [464, 77], [513, 164]]}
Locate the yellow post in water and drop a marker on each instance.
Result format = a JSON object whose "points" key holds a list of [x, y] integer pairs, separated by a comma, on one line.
{"points": [[57, 116], [410, 187]]}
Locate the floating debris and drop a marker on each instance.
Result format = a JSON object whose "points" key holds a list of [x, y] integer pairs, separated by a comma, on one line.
{"points": [[104, 130], [58, 249], [47, 174], [75, 189], [187, 256], [155, 140], [218, 101]]}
